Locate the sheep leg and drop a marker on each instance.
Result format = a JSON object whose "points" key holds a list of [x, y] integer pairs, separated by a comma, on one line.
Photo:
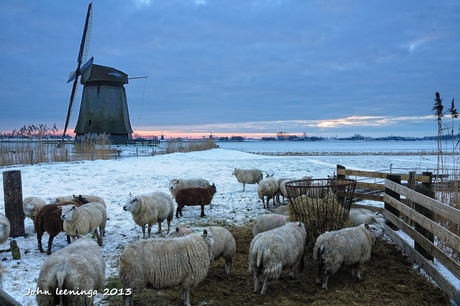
{"points": [[228, 266], [99, 237], [149, 229], [159, 227], [244, 185], [325, 280], [355, 271], [39, 239], [264, 287], [256, 279], [186, 297], [143, 232], [128, 300], [202, 211], [50, 243]]}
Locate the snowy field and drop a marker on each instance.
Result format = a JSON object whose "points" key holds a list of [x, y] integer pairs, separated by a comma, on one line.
{"points": [[115, 179]]}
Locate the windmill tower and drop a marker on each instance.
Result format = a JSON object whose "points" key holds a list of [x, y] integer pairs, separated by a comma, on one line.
{"points": [[104, 106]]}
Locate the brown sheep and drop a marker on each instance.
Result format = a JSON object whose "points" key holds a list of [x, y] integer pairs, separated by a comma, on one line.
{"points": [[48, 219], [194, 196]]}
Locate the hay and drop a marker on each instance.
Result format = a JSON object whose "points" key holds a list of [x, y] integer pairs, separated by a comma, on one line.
{"points": [[387, 279], [319, 214]]}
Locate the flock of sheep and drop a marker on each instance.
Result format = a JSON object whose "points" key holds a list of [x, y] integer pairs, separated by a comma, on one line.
{"points": [[182, 256]]}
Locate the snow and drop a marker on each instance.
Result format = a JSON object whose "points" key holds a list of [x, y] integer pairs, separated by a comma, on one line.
{"points": [[115, 179]]}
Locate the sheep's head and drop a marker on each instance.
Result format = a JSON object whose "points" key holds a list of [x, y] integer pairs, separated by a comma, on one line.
{"points": [[131, 204], [375, 231], [173, 184], [67, 212]]}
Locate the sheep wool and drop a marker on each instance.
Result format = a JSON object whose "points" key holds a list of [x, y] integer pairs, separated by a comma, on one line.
{"points": [[78, 268], [85, 219], [272, 251], [5, 228], [177, 184], [348, 246], [88, 197], [48, 219], [362, 215], [32, 205], [149, 209], [248, 176], [267, 222], [194, 196], [165, 263], [268, 189], [224, 243]]}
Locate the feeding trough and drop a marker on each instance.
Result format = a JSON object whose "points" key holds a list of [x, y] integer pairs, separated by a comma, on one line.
{"points": [[321, 204]]}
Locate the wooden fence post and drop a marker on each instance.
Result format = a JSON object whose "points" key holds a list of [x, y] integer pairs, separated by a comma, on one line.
{"points": [[395, 195], [340, 176], [425, 189], [14, 211]]}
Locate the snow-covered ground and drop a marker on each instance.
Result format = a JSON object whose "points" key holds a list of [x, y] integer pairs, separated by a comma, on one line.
{"points": [[115, 179]]}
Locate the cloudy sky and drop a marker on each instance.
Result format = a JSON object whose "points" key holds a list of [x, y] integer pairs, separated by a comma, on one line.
{"points": [[323, 68]]}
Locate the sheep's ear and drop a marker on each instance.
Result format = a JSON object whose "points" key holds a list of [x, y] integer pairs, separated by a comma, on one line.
{"points": [[205, 233], [366, 225], [131, 195], [177, 229]]}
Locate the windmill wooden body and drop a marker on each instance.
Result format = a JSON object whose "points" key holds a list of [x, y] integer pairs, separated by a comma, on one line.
{"points": [[104, 106]]}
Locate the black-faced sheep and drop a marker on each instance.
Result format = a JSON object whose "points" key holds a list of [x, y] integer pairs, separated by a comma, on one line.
{"points": [[5, 228], [72, 275], [248, 176], [267, 222], [272, 251], [85, 219], [48, 219], [348, 246], [165, 263], [224, 243], [32, 205], [150, 209], [194, 196], [177, 184], [267, 189]]}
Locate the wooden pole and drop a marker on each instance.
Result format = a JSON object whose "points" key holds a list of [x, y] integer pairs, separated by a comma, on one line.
{"points": [[425, 189], [14, 211], [395, 195]]}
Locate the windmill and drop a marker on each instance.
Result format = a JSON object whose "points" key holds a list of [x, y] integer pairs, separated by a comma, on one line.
{"points": [[104, 107]]}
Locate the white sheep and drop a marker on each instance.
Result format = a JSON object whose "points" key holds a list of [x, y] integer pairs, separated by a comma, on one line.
{"points": [[5, 228], [267, 222], [347, 246], [165, 263], [268, 188], [282, 210], [149, 209], [273, 250], [248, 176], [87, 197], [362, 215], [32, 205], [177, 184], [224, 242], [85, 219], [78, 268], [282, 188]]}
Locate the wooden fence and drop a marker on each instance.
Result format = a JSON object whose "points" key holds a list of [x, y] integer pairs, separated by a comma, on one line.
{"points": [[419, 210]]}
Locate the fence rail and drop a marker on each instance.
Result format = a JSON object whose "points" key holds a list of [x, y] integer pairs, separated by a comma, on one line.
{"points": [[418, 209]]}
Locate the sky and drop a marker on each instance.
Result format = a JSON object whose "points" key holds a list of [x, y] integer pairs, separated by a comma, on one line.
{"points": [[323, 68]]}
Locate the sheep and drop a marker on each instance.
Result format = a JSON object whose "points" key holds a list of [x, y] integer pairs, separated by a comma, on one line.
{"points": [[149, 209], [32, 205], [194, 196], [5, 228], [347, 246], [363, 215], [267, 222], [224, 243], [268, 188], [282, 210], [273, 250], [84, 220], [82, 198], [282, 188], [177, 184], [165, 263], [48, 219], [248, 176], [71, 275]]}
